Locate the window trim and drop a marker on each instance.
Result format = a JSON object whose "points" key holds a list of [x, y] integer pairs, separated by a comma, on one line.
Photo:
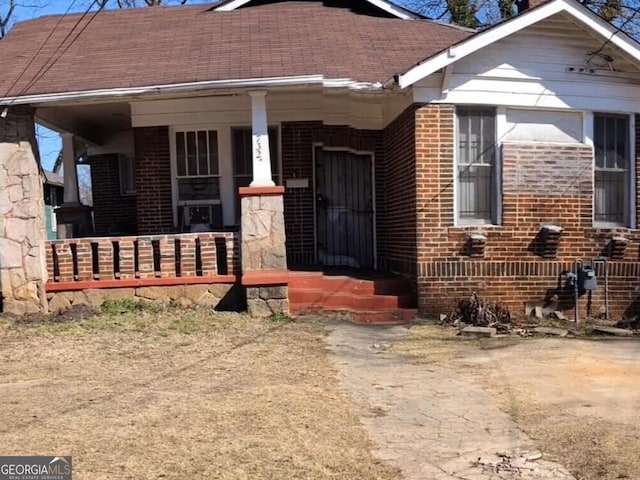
{"points": [[496, 173], [629, 220], [175, 200]]}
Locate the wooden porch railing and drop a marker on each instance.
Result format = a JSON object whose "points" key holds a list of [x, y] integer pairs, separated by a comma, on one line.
{"points": [[79, 263]]}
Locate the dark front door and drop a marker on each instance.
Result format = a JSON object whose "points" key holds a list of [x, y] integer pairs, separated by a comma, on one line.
{"points": [[344, 209]]}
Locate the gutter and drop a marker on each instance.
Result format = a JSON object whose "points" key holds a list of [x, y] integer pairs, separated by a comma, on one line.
{"points": [[194, 86]]}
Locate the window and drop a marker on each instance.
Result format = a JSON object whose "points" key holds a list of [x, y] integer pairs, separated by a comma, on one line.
{"points": [[198, 180], [611, 189], [127, 172], [478, 178], [243, 159]]}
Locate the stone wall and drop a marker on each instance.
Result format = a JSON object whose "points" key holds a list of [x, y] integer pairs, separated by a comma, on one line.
{"points": [[22, 223], [268, 300], [220, 296]]}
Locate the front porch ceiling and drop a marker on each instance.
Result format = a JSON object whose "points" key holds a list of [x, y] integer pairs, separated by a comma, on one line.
{"points": [[93, 122]]}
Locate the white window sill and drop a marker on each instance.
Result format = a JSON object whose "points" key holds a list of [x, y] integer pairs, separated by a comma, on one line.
{"points": [[609, 225]]}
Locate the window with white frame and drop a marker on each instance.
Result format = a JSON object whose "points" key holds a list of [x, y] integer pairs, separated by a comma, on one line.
{"points": [[198, 180], [242, 138], [127, 172], [478, 188], [612, 159]]}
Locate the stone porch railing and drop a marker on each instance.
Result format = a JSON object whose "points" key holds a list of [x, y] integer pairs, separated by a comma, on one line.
{"points": [[162, 260]]}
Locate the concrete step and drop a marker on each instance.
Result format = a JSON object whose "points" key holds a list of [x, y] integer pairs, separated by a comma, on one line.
{"points": [[311, 296], [381, 286]]}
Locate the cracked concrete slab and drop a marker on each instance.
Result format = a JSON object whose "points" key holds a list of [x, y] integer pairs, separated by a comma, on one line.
{"points": [[428, 420]]}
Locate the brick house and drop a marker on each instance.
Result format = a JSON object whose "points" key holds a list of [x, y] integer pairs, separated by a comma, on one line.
{"points": [[262, 143]]}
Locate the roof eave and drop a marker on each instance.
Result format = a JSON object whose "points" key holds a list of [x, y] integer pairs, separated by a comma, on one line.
{"points": [[114, 93], [487, 37]]}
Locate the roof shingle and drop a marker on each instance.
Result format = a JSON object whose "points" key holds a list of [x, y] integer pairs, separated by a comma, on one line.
{"points": [[171, 45]]}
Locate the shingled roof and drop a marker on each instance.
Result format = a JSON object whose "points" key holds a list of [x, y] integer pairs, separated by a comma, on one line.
{"points": [[173, 45]]}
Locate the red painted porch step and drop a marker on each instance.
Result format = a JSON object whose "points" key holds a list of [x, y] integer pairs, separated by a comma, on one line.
{"points": [[383, 300]]}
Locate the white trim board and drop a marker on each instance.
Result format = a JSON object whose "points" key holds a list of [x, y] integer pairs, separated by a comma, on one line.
{"points": [[516, 24], [107, 93], [383, 5]]}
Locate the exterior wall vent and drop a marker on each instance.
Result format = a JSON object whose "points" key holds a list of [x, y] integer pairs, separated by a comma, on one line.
{"points": [[475, 244], [616, 247], [549, 236]]}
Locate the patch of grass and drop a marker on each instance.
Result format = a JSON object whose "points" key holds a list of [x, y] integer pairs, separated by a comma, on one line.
{"points": [[281, 317], [181, 394], [129, 305]]}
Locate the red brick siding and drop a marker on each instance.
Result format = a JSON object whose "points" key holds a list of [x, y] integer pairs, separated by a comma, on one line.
{"points": [[298, 140], [110, 209], [542, 183], [153, 180], [297, 162], [397, 214]]}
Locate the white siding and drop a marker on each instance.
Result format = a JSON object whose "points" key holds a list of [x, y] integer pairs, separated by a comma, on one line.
{"points": [[529, 69], [543, 126]]}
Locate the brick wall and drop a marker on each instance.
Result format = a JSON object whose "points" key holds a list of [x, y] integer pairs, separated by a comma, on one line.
{"points": [[397, 213], [298, 140], [542, 183], [111, 211], [297, 162], [154, 207]]}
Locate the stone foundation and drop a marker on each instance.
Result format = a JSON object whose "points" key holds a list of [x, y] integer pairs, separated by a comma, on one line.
{"points": [[22, 225], [210, 296], [266, 301]]}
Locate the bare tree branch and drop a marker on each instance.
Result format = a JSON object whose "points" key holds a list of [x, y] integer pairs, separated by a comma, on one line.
{"points": [[6, 18]]}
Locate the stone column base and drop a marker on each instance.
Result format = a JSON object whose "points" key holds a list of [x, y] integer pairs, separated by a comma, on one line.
{"points": [[266, 301], [264, 256]]}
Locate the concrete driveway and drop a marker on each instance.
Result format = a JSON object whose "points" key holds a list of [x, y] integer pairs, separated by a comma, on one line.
{"points": [[432, 422]]}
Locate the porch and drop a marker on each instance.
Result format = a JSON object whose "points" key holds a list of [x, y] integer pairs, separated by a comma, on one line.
{"points": [[239, 188]]}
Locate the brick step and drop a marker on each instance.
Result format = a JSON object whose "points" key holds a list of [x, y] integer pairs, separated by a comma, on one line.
{"points": [[311, 296], [306, 280], [365, 302], [382, 286], [318, 297]]}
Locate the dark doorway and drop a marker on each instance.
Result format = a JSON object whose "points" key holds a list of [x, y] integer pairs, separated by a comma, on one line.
{"points": [[344, 208]]}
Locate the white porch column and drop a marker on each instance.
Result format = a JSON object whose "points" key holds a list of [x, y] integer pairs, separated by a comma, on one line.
{"points": [[261, 157], [71, 191]]}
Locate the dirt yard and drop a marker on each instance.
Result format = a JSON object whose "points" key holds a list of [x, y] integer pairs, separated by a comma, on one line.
{"points": [[578, 399], [180, 394]]}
